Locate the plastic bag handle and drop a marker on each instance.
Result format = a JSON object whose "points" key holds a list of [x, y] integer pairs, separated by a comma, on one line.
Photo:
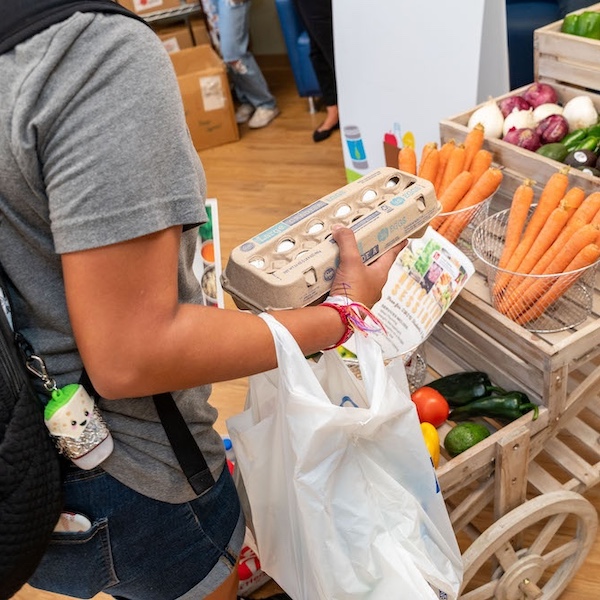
{"points": [[295, 369]]}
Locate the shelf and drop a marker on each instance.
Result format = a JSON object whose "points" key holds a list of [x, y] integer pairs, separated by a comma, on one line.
{"points": [[186, 10]]}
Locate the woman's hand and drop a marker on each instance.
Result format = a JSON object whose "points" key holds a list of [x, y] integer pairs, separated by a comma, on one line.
{"points": [[360, 282]]}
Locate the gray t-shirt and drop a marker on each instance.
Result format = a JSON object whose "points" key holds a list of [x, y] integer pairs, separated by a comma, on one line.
{"points": [[94, 150]]}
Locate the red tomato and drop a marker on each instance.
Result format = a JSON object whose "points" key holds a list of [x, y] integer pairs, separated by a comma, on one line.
{"points": [[432, 407]]}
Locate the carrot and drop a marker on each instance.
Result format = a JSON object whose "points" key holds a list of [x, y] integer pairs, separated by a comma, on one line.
{"points": [[445, 152], [551, 195], [588, 212], [481, 162], [584, 258], [588, 208], [573, 200], [456, 191], [455, 166], [518, 303], [452, 196], [569, 229], [407, 160], [481, 189], [547, 235], [427, 148], [473, 143], [554, 191], [429, 167], [517, 215]]}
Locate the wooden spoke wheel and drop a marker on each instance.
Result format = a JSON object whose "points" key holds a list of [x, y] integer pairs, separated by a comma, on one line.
{"points": [[531, 552]]}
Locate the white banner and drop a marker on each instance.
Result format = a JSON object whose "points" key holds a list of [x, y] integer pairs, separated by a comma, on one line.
{"points": [[404, 65]]}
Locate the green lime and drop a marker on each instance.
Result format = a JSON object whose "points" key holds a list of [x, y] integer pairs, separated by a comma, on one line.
{"points": [[463, 436]]}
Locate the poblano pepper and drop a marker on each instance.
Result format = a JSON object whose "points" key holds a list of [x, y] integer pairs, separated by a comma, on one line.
{"points": [[462, 388], [508, 406]]}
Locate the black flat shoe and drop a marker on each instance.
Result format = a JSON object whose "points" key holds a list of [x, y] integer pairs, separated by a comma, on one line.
{"points": [[319, 136]]}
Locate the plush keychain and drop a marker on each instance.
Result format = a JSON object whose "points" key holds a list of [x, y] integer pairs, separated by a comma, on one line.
{"points": [[77, 426]]}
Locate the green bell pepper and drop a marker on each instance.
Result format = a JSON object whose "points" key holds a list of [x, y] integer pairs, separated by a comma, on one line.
{"points": [[588, 25], [585, 24], [569, 24]]}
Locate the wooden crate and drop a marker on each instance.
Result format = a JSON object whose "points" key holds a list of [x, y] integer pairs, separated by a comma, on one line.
{"points": [[519, 163], [553, 369], [567, 59]]}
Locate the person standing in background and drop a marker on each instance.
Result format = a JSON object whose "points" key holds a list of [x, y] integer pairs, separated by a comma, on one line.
{"points": [[318, 19], [258, 106]]}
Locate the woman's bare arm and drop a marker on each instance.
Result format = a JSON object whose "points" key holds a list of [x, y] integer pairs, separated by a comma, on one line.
{"points": [[136, 339]]}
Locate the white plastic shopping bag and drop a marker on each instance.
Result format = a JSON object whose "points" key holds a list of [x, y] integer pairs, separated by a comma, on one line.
{"points": [[344, 499]]}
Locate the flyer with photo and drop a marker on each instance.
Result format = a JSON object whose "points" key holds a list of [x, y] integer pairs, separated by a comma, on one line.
{"points": [[423, 282], [207, 262]]}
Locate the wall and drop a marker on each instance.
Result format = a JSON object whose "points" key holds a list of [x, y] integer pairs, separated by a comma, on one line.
{"points": [[265, 30]]}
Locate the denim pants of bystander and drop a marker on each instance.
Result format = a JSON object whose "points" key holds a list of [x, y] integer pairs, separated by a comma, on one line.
{"points": [[248, 81]]}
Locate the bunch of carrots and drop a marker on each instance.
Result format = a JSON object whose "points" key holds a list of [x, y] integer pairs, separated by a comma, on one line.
{"points": [[462, 176], [558, 235]]}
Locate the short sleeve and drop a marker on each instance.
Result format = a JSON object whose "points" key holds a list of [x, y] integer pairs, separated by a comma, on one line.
{"points": [[116, 155]]}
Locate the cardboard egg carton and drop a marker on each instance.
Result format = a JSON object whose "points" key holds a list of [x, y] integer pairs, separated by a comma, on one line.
{"points": [[292, 263]]}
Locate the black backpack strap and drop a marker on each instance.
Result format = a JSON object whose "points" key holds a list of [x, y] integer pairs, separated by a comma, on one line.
{"points": [[190, 457], [21, 19]]}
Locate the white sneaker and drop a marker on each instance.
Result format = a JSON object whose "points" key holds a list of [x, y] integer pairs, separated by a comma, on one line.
{"points": [[262, 117], [243, 113]]}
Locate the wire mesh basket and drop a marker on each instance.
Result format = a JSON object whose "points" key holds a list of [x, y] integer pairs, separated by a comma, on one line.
{"points": [[458, 226], [544, 303]]}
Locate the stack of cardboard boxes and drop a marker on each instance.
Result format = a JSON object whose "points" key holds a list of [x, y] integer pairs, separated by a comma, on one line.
{"points": [[201, 73]]}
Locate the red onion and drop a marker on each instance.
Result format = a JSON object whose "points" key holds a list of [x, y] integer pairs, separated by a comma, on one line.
{"points": [[525, 138], [507, 105], [552, 129], [540, 93]]}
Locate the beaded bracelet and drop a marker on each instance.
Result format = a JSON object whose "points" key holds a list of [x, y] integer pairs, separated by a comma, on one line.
{"points": [[353, 315]]}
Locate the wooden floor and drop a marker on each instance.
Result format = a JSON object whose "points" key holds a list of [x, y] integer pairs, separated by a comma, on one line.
{"points": [[267, 175]]}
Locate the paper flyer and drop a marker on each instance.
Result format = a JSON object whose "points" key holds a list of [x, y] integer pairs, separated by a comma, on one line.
{"points": [[207, 262], [423, 282]]}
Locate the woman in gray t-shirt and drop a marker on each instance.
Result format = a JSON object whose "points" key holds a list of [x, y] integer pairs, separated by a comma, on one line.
{"points": [[101, 192]]}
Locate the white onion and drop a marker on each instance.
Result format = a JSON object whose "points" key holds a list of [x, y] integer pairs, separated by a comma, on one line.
{"points": [[545, 110], [580, 112], [490, 117], [518, 119]]}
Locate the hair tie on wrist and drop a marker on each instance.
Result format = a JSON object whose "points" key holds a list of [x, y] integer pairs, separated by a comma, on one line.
{"points": [[353, 316]]}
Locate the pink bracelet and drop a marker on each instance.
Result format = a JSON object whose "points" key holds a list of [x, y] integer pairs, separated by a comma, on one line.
{"points": [[353, 316]]}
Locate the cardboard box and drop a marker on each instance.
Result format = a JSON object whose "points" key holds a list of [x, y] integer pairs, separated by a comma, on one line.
{"points": [[145, 7], [292, 264], [207, 101], [175, 37], [519, 163], [200, 35], [564, 58]]}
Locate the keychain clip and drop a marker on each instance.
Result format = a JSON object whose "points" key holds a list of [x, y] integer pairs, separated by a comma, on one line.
{"points": [[41, 371]]}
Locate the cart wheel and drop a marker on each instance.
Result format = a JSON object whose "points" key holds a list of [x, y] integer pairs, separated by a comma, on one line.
{"points": [[526, 554]]}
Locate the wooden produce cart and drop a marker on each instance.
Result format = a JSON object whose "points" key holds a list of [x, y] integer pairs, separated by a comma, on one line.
{"points": [[515, 498]]}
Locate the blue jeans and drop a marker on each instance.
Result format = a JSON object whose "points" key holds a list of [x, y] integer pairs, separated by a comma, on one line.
{"points": [[245, 75], [143, 549]]}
